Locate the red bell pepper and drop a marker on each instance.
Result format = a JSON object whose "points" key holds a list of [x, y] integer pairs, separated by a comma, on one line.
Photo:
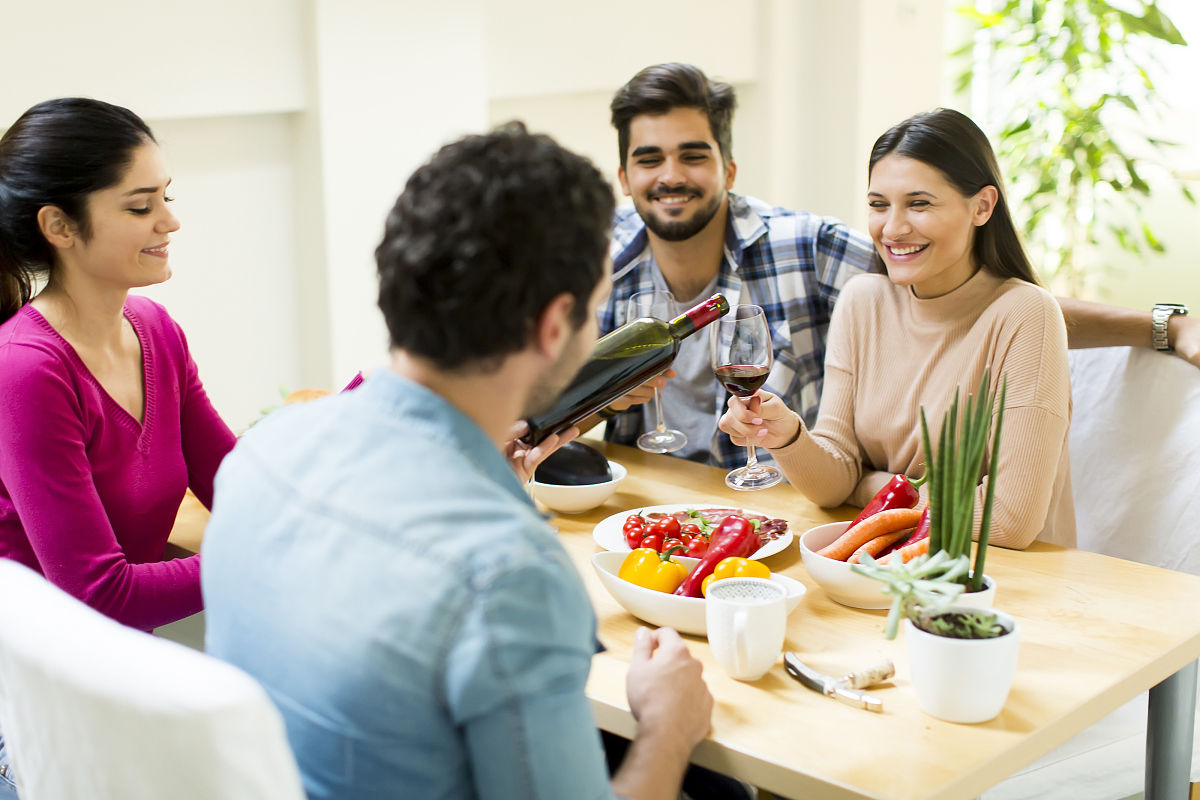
{"points": [[899, 492], [736, 536]]}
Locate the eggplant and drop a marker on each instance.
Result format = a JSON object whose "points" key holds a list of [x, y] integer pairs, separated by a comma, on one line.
{"points": [[574, 464]]}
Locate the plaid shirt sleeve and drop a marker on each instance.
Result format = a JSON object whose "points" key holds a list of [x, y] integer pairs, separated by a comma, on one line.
{"points": [[793, 264]]}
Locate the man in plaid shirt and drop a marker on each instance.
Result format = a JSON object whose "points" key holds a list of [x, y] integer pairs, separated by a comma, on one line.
{"points": [[689, 234]]}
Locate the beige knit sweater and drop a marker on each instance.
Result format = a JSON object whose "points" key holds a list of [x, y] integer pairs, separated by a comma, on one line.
{"points": [[890, 353]]}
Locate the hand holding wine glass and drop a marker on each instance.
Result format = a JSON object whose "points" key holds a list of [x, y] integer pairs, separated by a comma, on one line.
{"points": [[661, 439], [741, 359], [772, 424]]}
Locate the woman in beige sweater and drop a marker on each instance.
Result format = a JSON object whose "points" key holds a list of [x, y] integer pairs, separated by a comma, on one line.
{"points": [[958, 296]]}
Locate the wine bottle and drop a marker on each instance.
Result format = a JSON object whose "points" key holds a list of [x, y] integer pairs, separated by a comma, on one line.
{"points": [[621, 360]]}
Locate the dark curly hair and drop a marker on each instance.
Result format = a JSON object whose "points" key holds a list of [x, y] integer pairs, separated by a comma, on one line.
{"points": [[664, 87], [56, 154], [484, 236]]}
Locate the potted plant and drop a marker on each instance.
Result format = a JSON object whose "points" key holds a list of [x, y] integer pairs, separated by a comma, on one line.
{"points": [[962, 658], [952, 473]]}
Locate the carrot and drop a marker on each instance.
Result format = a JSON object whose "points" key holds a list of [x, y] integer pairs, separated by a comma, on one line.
{"points": [[908, 552], [880, 543], [894, 519]]}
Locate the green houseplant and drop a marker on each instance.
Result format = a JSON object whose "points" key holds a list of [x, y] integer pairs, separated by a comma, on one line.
{"points": [[962, 659], [922, 588], [953, 470], [1069, 89]]}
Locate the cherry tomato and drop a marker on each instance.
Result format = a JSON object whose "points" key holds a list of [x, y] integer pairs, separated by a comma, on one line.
{"points": [[667, 526], [690, 527], [670, 542], [634, 530], [653, 540], [697, 546]]}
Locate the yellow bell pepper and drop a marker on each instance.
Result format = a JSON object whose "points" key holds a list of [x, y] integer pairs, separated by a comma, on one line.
{"points": [[735, 568], [653, 570]]}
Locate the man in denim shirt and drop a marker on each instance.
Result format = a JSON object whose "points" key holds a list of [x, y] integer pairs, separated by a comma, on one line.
{"points": [[372, 557]]}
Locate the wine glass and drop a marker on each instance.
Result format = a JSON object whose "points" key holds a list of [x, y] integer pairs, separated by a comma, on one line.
{"points": [[658, 305], [741, 358]]}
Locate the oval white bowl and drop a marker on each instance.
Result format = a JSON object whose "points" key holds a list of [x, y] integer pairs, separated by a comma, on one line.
{"points": [[577, 499], [835, 577], [684, 614]]}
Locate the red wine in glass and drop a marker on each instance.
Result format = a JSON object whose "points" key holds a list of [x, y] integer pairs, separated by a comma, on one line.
{"points": [[742, 380], [741, 355]]}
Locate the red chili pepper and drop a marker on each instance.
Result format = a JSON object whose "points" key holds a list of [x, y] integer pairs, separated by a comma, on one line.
{"points": [[899, 492], [920, 532], [735, 537]]}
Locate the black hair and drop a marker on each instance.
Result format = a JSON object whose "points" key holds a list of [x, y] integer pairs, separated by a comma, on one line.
{"points": [[664, 87], [56, 154], [951, 143], [484, 236]]}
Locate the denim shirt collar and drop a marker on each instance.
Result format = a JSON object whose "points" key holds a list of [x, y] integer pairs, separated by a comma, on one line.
{"points": [[398, 395]]}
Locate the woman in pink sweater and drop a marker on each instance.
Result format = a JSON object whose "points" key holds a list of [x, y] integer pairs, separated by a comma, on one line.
{"points": [[958, 296], [103, 420]]}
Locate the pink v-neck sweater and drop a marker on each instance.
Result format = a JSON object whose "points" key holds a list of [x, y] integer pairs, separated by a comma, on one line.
{"points": [[88, 494]]}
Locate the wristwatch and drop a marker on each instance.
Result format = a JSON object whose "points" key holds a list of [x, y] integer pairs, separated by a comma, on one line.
{"points": [[1161, 313]]}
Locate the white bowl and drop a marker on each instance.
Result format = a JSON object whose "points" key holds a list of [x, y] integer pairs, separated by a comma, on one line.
{"points": [[835, 577], [577, 499], [684, 614]]}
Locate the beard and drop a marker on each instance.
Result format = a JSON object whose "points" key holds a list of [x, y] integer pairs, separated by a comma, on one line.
{"points": [[558, 376], [671, 230]]}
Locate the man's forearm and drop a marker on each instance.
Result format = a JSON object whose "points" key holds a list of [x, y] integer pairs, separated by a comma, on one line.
{"points": [[1101, 325], [652, 768]]}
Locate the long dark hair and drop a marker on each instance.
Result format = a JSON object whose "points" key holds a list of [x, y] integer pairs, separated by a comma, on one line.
{"points": [[952, 144], [56, 154]]}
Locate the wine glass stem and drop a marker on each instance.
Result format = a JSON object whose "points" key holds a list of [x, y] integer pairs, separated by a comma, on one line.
{"points": [[751, 458], [662, 426]]}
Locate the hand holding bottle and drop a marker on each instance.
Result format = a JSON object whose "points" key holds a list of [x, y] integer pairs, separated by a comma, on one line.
{"points": [[621, 360], [525, 459], [643, 393]]}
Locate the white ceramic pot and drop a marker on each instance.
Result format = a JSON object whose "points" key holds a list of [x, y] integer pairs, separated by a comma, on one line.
{"points": [[984, 598], [962, 680]]}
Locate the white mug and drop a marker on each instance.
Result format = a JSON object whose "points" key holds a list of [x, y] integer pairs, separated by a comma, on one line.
{"points": [[746, 620]]}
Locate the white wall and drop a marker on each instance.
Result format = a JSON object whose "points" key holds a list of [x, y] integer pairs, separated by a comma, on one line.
{"points": [[291, 125]]}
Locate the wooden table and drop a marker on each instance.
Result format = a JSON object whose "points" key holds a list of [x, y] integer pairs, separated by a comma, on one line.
{"points": [[1096, 632]]}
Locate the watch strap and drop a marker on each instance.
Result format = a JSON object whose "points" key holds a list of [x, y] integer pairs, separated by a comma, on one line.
{"points": [[1160, 315]]}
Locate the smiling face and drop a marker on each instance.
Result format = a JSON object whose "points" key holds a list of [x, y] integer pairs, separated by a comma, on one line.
{"points": [[130, 227], [923, 227], [674, 173]]}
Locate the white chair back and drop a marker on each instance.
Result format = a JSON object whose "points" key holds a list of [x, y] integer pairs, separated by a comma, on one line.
{"points": [[91, 708], [1135, 455]]}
